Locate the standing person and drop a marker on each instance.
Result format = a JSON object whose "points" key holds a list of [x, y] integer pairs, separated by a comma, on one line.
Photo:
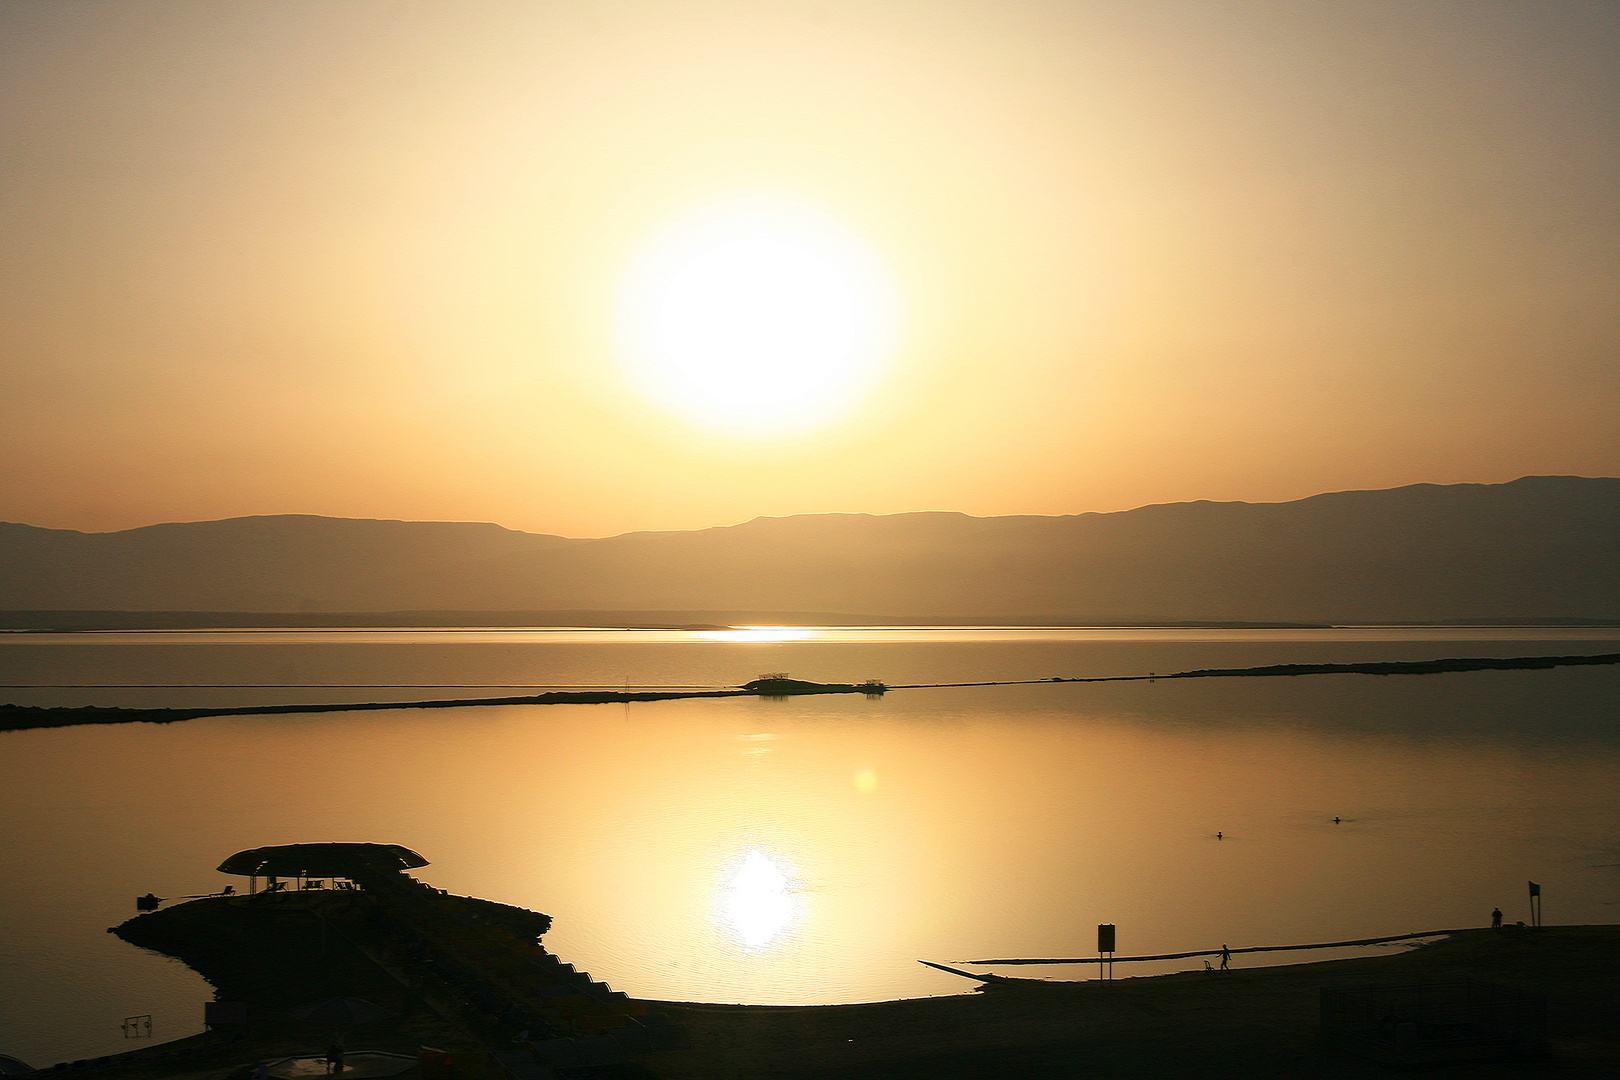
{"points": [[334, 1058], [1496, 918]]}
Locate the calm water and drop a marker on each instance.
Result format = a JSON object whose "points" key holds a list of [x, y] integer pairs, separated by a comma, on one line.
{"points": [[808, 850]]}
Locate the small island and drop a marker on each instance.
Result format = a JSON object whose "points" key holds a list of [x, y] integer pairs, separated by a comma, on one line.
{"points": [[777, 684]]}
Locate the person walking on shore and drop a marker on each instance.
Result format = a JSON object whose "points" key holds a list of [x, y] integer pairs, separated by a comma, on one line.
{"points": [[1496, 918]]}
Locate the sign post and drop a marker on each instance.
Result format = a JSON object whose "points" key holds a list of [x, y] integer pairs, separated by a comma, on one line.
{"points": [[1105, 948]]}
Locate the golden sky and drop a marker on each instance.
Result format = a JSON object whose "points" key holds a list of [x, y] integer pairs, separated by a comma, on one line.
{"points": [[370, 259]]}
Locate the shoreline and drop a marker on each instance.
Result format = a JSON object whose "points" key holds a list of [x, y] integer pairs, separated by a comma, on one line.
{"points": [[29, 717], [69, 621], [101, 620], [1258, 1023]]}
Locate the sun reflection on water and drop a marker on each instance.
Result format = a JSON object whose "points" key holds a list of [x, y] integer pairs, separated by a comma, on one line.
{"points": [[759, 634], [758, 901]]}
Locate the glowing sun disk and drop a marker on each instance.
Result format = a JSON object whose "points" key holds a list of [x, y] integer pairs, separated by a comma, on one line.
{"points": [[756, 315]]}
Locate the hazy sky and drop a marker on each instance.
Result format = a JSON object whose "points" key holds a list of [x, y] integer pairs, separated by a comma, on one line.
{"points": [[379, 259]]}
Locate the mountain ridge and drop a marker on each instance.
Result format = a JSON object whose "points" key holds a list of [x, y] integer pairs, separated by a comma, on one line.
{"points": [[1547, 547]]}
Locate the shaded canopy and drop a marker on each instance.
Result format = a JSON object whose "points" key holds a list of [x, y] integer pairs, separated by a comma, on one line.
{"points": [[321, 860]]}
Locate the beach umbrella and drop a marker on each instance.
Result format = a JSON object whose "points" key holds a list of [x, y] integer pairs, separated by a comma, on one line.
{"points": [[340, 1011]]}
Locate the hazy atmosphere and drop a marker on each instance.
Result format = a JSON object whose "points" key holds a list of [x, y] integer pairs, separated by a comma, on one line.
{"points": [[531, 530], [420, 261]]}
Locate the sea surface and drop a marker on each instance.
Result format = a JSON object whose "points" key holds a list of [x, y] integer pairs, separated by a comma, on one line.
{"points": [[811, 849]]}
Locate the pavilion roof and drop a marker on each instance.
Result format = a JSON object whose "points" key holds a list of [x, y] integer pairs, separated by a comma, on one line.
{"points": [[321, 860]]}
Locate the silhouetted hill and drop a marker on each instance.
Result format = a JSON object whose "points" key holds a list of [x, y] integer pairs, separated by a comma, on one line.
{"points": [[288, 563], [1539, 547]]}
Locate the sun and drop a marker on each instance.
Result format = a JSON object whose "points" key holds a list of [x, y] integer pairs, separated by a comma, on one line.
{"points": [[757, 315]]}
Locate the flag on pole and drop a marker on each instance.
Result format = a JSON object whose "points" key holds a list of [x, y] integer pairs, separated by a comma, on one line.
{"points": [[1535, 890]]}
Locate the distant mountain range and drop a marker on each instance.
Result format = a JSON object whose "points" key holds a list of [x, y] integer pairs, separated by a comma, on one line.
{"points": [[1539, 548]]}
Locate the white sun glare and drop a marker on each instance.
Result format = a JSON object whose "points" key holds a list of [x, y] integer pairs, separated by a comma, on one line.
{"points": [[757, 315], [758, 634], [757, 900]]}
